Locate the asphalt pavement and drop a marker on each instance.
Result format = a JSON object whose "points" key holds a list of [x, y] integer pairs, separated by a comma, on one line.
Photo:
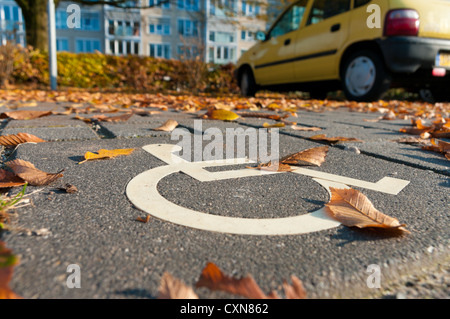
{"points": [[119, 257]]}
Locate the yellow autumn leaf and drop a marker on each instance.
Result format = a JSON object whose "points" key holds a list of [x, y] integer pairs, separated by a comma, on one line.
{"points": [[222, 115], [103, 154], [267, 125]]}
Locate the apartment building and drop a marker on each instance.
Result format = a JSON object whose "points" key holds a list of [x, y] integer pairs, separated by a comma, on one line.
{"points": [[216, 31], [12, 27]]}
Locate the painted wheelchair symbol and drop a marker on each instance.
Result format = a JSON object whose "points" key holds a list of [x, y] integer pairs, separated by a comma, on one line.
{"points": [[142, 192]]}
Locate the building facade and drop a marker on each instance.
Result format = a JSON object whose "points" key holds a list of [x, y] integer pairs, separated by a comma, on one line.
{"points": [[216, 31]]}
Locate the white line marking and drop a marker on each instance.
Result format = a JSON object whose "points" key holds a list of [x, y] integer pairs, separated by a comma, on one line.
{"points": [[143, 193]]}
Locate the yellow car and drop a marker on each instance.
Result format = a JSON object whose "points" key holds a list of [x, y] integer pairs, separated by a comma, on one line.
{"points": [[360, 46]]}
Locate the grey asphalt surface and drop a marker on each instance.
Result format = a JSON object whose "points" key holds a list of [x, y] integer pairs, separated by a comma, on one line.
{"points": [[120, 257]]}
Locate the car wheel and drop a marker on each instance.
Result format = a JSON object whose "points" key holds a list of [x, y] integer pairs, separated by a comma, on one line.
{"points": [[426, 95], [440, 94], [364, 77], [247, 83]]}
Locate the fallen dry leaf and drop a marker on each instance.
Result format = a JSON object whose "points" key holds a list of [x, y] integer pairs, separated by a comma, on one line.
{"points": [[8, 179], [172, 288], [7, 262], [113, 119], [274, 166], [352, 208], [29, 173], [313, 156], [438, 146], [69, 188], [334, 140], [25, 115], [104, 154], [143, 220], [168, 126], [222, 115], [305, 128], [214, 279], [19, 138], [267, 125]]}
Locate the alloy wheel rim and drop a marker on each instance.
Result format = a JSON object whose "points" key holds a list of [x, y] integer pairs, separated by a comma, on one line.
{"points": [[360, 76]]}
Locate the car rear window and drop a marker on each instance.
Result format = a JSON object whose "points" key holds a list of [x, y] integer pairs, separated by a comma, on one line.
{"points": [[359, 3]]}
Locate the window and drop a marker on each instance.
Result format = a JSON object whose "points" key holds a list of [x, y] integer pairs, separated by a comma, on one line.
{"points": [[155, 3], [290, 21], [190, 5], [247, 35], [62, 44], [324, 9], [160, 50], [187, 27], [61, 19], [250, 9], [221, 54], [87, 45], [221, 37], [359, 3], [124, 28], [161, 27], [90, 21], [222, 8]]}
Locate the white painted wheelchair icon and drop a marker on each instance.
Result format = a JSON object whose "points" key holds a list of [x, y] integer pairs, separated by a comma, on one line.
{"points": [[142, 192]]}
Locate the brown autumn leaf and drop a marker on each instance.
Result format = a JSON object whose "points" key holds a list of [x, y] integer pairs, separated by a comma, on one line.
{"points": [[352, 208], [143, 220], [313, 156], [410, 140], [19, 138], [305, 128], [69, 188], [334, 140], [168, 126], [7, 262], [296, 291], [173, 288], [113, 119], [104, 154], [413, 130], [29, 173], [438, 146], [214, 279], [8, 179], [274, 166], [25, 115]]}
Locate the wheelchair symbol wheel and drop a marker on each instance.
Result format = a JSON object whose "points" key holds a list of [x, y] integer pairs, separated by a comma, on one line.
{"points": [[142, 192]]}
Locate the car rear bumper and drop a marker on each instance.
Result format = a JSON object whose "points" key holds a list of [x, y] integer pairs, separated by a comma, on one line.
{"points": [[409, 54]]}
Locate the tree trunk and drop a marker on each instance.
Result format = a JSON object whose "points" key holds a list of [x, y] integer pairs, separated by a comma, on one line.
{"points": [[36, 22]]}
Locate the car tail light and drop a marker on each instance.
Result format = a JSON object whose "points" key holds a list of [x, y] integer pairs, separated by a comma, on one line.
{"points": [[402, 22]]}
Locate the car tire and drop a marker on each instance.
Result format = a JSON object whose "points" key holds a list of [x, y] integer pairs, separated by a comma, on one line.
{"points": [[440, 94], [364, 77], [247, 83]]}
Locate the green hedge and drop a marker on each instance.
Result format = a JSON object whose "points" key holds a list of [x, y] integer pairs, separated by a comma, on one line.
{"points": [[96, 70]]}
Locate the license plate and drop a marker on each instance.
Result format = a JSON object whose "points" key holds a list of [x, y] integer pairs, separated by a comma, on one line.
{"points": [[443, 59]]}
